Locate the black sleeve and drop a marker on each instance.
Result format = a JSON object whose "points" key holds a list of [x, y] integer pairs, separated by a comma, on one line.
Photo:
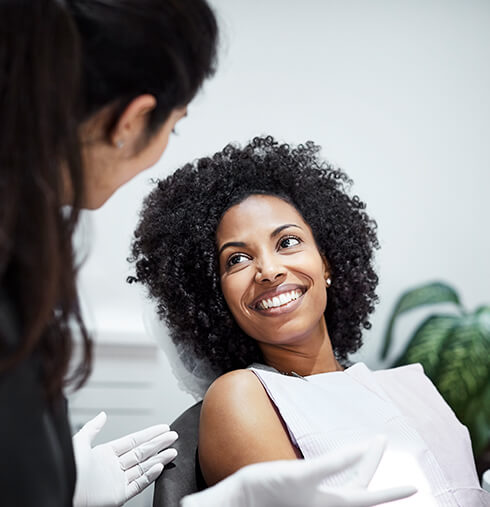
{"points": [[36, 455], [183, 476]]}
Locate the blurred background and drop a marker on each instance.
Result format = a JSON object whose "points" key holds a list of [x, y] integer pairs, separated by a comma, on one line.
{"points": [[398, 95]]}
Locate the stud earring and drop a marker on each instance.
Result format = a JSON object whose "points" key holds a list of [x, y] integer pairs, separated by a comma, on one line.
{"points": [[328, 282], [119, 143]]}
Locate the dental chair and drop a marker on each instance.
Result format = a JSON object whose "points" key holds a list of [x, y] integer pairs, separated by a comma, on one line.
{"points": [[183, 476]]}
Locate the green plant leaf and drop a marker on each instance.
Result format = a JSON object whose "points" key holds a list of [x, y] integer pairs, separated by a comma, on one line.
{"points": [[464, 367], [477, 420], [426, 343], [428, 294]]}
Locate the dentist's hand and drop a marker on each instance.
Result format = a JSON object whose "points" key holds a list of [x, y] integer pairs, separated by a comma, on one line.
{"points": [[296, 483], [108, 475]]}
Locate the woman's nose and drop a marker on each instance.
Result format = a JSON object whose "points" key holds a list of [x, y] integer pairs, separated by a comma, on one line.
{"points": [[269, 271]]}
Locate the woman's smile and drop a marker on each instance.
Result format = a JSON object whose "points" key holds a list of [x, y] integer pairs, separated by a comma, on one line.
{"points": [[282, 299]]}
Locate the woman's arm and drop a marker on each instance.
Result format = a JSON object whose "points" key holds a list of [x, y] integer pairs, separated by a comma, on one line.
{"points": [[239, 426]]}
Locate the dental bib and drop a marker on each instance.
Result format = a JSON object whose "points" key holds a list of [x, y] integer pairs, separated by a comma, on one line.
{"points": [[427, 446]]}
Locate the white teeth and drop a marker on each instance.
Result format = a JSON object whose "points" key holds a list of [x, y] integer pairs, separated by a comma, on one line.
{"points": [[280, 300]]}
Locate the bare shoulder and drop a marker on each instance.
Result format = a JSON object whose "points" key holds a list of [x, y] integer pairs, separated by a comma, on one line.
{"points": [[228, 391], [239, 425]]}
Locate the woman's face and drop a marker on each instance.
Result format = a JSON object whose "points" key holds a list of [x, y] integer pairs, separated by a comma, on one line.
{"points": [[109, 166], [272, 274]]}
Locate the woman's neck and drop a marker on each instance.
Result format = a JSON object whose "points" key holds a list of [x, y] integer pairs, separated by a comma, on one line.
{"points": [[306, 356]]}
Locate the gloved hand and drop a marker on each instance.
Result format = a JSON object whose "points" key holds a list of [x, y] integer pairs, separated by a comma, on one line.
{"points": [[108, 475], [295, 483]]}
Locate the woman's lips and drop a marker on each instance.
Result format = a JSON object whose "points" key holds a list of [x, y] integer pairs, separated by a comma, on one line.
{"points": [[282, 299], [287, 308]]}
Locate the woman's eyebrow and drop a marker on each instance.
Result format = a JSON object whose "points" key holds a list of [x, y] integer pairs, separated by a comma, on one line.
{"points": [[276, 231], [240, 244]]}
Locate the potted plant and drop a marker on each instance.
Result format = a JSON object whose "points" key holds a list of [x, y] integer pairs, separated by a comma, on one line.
{"points": [[454, 349]]}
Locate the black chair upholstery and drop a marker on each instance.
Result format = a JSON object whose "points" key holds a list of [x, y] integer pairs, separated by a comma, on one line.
{"points": [[183, 476]]}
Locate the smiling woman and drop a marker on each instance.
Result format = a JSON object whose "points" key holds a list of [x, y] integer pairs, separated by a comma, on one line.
{"points": [[176, 252], [260, 255]]}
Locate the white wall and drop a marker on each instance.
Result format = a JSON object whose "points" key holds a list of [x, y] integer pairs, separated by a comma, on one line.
{"points": [[396, 92]]}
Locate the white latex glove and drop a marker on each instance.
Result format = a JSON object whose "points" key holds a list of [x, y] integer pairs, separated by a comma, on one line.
{"points": [[108, 475], [295, 483]]}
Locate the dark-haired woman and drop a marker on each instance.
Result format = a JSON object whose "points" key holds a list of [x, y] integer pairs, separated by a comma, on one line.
{"points": [[90, 91], [259, 256]]}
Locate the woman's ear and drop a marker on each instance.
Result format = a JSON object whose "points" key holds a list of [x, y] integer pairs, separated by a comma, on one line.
{"points": [[327, 270], [132, 123]]}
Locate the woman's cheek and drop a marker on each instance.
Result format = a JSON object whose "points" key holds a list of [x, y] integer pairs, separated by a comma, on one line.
{"points": [[232, 292]]}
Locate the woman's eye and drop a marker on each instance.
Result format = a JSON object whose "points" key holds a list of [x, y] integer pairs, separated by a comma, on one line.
{"points": [[289, 242], [236, 259]]}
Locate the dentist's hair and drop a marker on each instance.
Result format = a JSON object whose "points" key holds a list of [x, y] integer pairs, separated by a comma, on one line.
{"points": [[176, 256], [62, 61]]}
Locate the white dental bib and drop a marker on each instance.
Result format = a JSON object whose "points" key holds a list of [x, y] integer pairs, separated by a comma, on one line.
{"points": [[427, 446]]}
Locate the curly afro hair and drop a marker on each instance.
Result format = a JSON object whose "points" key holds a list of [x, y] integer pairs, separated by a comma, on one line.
{"points": [[176, 255]]}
